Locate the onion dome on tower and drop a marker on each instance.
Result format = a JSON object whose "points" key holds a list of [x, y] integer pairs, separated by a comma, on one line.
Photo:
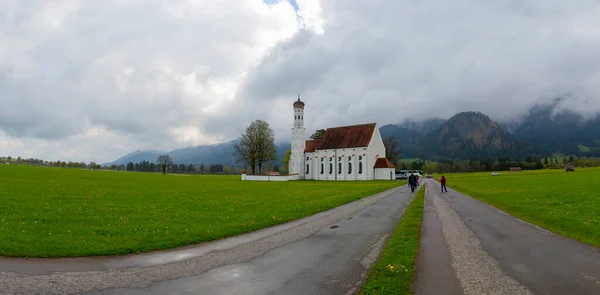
{"points": [[298, 103]]}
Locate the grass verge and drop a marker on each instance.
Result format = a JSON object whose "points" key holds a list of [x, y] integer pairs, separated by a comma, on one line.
{"points": [[394, 271], [57, 212], [566, 203]]}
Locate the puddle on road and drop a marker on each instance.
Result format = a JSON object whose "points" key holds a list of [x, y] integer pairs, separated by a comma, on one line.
{"points": [[334, 226]]}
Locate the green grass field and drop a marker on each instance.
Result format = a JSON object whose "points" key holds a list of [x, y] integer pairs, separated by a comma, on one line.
{"points": [[565, 203], [54, 212], [394, 271]]}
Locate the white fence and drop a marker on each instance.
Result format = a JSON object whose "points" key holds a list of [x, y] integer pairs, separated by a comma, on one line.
{"points": [[270, 177]]}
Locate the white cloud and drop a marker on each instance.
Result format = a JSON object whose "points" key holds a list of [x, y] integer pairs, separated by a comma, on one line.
{"points": [[92, 80], [149, 70]]}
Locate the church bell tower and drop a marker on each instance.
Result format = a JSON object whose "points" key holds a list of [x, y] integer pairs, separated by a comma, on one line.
{"points": [[298, 140]]}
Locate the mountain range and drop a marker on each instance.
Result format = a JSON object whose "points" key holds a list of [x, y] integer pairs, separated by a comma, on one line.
{"points": [[545, 130]]}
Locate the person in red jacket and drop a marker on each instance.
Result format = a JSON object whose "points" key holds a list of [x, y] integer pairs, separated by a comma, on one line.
{"points": [[417, 179], [443, 182]]}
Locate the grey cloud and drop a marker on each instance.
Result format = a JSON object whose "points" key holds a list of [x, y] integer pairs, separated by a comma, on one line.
{"points": [[393, 60]]}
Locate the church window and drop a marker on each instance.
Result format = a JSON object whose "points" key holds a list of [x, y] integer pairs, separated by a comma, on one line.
{"points": [[330, 168], [349, 168], [340, 168], [321, 168], [359, 167], [307, 170], [339, 159], [360, 158]]}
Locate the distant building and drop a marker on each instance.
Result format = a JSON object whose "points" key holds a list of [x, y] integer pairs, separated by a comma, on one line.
{"points": [[344, 153], [514, 169]]}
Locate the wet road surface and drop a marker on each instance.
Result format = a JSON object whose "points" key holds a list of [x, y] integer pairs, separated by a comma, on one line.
{"points": [[329, 253], [468, 247]]}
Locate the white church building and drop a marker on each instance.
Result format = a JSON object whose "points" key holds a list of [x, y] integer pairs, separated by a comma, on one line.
{"points": [[344, 153]]}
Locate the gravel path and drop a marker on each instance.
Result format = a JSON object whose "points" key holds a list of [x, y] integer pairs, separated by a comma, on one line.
{"points": [[491, 252]]}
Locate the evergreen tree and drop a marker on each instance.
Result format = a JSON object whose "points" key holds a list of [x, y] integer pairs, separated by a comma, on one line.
{"points": [[191, 169]]}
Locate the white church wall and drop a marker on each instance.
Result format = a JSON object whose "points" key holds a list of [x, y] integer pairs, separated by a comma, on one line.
{"points": [[376, 150]]}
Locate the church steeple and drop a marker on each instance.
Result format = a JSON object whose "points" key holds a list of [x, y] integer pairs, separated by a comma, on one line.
{"points": [[298, 103], [298, 139]]}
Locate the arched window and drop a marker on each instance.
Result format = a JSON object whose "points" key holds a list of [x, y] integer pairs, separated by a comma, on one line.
{"points": [[321, 168], [330, 168], [349, 168], [339, 167], [307, 169], [360, 165], [307, 158]]}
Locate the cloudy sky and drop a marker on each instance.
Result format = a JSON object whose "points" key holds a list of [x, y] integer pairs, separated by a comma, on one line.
{"points": [[94, 80]]}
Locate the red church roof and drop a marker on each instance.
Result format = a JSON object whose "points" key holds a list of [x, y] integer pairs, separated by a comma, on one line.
{"points": [[383, 163], [346, 137], [311, 145]]}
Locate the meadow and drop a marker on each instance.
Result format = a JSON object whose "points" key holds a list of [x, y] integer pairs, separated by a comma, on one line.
{"points": [[567, 203], [58, 212]]}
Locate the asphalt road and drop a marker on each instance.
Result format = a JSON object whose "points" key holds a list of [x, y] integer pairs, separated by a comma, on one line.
{"points": [[469, 247], [329, 253]]}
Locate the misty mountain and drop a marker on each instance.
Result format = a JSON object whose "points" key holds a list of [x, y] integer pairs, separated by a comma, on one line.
{"points": [[424, 126], [550, 130], [544, 131]]}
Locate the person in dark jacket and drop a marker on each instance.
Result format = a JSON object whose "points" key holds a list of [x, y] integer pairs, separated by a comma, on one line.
{"points": [[412, 181], [443, 183]]}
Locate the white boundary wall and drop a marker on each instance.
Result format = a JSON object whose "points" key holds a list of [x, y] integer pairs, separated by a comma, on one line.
{"points": [[385, 173], [270, 177]]}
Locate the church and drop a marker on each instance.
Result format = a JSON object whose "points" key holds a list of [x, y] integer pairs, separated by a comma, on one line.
{"points": [[352, 152]]}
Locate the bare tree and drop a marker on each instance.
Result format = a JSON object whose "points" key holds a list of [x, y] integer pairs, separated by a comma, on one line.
{"points": [[164, 161], [393, 150], [256, 146]]}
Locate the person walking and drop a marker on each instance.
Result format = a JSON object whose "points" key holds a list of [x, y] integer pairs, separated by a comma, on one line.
{"points": [[417, 180], [443, 183], [412, 182]]}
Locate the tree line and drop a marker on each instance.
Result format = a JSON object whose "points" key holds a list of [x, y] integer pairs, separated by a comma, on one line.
{"points": [[499, 164], [143, 166]]}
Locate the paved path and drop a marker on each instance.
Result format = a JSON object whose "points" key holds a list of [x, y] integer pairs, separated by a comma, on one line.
{"points": [[468, 247], [328, 253]]}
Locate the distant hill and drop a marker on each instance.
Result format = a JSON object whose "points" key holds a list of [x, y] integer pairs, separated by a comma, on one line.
{"points": [[470, 135], [137, 156], [221, 153]]}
